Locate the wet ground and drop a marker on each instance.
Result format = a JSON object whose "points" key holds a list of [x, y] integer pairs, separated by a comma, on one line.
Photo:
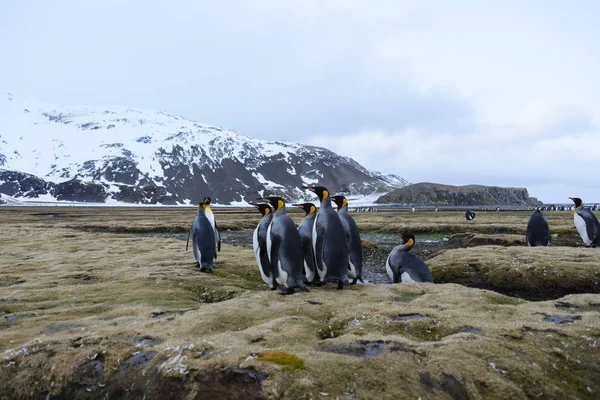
{"points": [[373, 259]]}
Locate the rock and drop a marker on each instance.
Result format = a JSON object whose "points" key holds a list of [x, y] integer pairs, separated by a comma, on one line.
{"points": [[471, 240], [430, 194], [535, 273], [76, 190]]}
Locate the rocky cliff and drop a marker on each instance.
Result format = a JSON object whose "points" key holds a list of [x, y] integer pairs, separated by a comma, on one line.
{"points": [[435, 194]]}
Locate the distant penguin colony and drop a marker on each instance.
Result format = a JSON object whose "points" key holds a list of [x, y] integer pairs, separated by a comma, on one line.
{"points": [[538, 233], [404, 267], [326, 246], [586, 223]]}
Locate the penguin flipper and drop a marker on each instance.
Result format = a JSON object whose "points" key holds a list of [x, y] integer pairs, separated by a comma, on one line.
{"points": [[320, 251], [188, 239], [217, 238], [275, 245]]}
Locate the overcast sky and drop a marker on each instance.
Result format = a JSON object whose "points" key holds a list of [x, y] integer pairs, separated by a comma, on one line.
{"points": [[489, 92]]}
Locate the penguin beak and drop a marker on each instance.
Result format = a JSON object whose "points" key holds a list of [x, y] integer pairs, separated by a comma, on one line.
{"points": [[308, 188]]}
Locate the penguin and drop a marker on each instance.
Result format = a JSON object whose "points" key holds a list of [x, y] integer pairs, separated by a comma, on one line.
{"points": [[538, 233], [329, 241], [203, 240], [259, 244], [404, 267], [284, 248], [586, 223], [469, 215], [213, 222], [353, 238], [305, 230]]}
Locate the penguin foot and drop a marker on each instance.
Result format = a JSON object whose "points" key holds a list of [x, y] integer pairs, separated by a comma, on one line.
{"points": [[318, 283], [354, 281], [286, 291], [303, 289], [340, 285], [273, 287]]}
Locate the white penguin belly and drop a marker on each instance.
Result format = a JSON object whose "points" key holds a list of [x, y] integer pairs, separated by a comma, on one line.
{"points": [[256, 248], [282, 278], [310, 275], [314, 239], [406, 278], [352, 273], [269, 242], [581, 228], [388, 268]]}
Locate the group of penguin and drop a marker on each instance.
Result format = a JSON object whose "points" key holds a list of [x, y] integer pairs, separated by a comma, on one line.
{"points": [[326, 246], [588, 227]]}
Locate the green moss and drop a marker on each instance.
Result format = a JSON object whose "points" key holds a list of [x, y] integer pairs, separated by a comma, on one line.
{"points": [[282, 358]]}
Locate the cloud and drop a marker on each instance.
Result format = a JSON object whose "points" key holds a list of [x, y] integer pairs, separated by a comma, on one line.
{"points": [[461, 92]]}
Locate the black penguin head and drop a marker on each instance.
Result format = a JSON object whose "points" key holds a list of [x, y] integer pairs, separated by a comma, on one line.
{"points": [[408, 239], [340, 201], [308, 208], [277, 202], [264, 208], [320, 191], [578, 202], [207, 200]]}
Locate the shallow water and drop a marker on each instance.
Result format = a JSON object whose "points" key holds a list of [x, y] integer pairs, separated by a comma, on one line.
{"points": [[373, 259]]}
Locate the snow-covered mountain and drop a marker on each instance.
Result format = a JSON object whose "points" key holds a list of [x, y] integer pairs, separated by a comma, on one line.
{"points": [[116, 154]]}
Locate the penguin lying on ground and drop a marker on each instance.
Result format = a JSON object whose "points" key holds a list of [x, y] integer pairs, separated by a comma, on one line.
{"points": [[586, 223], [538, 233], [329, 241], [259, 244], [469, 215], [203, 240], [353, 238], [404, 267], [305, 230], [284, 248]]}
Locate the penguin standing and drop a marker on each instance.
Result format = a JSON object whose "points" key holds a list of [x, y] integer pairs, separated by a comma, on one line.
{"points": [[538, 233], [213, 222], [470, 215], [353, 238], [285, 248], [305, 230], [259, 244], [404, 267], [203, 240], [586, 223], [329, 241]]}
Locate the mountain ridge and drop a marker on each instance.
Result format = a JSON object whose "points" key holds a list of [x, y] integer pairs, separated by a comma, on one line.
{"points": [[151, 157]]}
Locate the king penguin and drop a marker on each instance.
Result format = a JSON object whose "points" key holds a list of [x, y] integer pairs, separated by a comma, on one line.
{"points": [[305, 230], [259, 242], [538, 233], [285, 248], [586, 223], [404, 267], [213, 222], [203, 240], [469, 215], [353, 238], [329, 241]]}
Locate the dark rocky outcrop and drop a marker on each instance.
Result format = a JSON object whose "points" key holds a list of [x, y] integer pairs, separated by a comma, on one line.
{"points": [[435, 194], [76, 190], [20, 184]]}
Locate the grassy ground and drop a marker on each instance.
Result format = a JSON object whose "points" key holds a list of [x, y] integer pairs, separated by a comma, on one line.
{"points": [[89, 309]]}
